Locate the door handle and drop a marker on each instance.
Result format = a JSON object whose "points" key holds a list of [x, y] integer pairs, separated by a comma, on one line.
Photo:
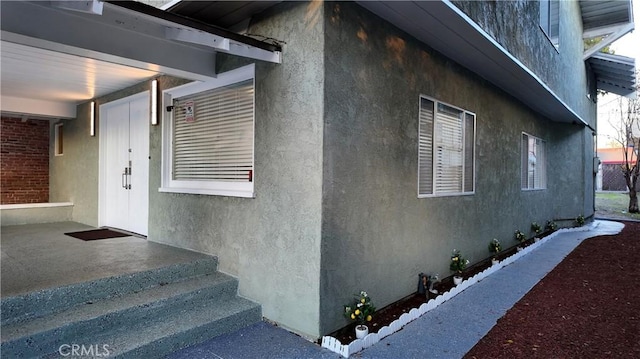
{"points": [[124, 178]]}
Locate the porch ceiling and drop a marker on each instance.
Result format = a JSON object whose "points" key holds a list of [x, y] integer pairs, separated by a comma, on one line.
{"points": [[448, 30], [56, 54]]}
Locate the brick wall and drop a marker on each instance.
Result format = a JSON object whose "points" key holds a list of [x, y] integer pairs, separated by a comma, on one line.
{"points": [[24, 165]]}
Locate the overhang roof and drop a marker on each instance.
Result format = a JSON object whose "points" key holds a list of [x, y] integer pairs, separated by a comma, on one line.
{"points": [[614, 73], [610, 19], [56, 54], [605, 17], [444, 27], [226, 14]]}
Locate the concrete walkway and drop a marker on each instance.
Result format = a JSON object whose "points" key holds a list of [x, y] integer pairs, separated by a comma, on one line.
{"points": [[449, 331]]}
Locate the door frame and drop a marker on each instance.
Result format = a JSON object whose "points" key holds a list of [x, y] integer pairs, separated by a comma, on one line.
{"points": [[102, 173]]}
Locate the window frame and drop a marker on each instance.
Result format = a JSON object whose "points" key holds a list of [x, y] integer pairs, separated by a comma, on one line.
{"points": [[548, 10], [522, 170], [465, 113], [202, 187]]}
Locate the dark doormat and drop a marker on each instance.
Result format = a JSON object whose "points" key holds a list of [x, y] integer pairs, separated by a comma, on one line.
{"points": [[94, 234]]}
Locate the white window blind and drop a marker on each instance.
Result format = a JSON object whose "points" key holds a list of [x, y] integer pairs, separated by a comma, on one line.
{"points": [[446, 149], [218, 144], [534, 174], [208, 135]]}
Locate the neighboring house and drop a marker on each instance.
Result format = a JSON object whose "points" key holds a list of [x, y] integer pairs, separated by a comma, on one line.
{"points": [[386, 135], [611, 177]]}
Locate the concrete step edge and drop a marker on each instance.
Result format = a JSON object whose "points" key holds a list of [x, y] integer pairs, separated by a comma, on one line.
{"points": [[96, 316], [52, 300], [159, 337]]}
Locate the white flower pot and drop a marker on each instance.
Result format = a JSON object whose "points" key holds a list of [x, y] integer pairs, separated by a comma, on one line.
{"points": [[536, 239], [457, 280], [494, 261], [361, 331], [518, 249]]}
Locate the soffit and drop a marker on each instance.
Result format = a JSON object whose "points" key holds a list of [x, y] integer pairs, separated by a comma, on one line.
{"points": [[41, 74], [614, 73], [603, 14], [444, 27]]}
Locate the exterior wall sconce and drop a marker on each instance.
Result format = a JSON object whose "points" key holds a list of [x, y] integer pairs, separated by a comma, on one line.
{"points": [[154, 102], [92, 119]]}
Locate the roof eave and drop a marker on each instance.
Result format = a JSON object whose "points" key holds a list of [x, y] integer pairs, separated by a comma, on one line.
{"points": [[458, 37]]}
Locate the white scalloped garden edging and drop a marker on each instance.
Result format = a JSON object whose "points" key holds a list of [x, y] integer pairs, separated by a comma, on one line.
{"points": [[357, 345]]}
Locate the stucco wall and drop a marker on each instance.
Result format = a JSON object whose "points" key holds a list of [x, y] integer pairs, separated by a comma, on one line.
{"points": [[561, 69], [74, 176], [376, 234], [271, 242]]}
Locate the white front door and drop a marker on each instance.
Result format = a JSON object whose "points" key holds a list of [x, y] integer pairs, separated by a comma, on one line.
{"points": [[124, 163]]}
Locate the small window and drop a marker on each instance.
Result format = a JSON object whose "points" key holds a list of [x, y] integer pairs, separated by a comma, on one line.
{"points": [[58, 139], [534, 163], [208, 136], [446, 154], [550, 20]]}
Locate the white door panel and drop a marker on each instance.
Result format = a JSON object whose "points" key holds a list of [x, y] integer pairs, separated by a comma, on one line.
{"points": [[124, 147], [139, 144]]}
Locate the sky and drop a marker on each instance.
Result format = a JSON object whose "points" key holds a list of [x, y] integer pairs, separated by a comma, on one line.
{"points": [[628, 45]]}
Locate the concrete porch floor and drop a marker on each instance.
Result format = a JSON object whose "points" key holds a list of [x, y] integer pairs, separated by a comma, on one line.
{"points": [[40, 256]]}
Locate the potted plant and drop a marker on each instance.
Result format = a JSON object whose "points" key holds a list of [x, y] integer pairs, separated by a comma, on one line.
{"points": [[495, 247], [551, 226], [457, 265], [520, 237], [361, 311], [580, 220], [537, 229]]}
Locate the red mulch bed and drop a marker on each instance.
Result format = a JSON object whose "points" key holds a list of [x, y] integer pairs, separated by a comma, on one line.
{"points": [[587, 307]]}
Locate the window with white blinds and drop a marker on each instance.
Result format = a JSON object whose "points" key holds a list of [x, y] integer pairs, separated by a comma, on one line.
{"points": [[534, 163], [446, 153], [218, 143], [208, 136]]}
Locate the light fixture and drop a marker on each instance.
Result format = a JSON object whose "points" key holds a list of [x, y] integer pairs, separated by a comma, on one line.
{"points": [[92, 119], [154, 102]]}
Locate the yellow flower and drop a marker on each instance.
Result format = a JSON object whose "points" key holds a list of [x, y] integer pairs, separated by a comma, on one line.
{"points": [[353, 316], [362, 300], [357, 311], [368, 318]]}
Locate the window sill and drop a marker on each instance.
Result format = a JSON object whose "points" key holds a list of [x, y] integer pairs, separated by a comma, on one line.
{"points": [[446, 195], [208, 192]]}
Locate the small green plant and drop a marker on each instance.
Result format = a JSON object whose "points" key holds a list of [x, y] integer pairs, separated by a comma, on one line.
{"points": [[519, 236], [495, 247], [551, 226], [361, 310], [536, 228], [580, 220], [458, 262]]}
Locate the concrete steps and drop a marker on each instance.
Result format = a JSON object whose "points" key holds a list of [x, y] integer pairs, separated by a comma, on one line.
{"points": [[145, 314]]}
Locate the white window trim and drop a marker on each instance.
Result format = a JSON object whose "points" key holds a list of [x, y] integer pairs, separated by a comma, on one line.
{"points": [[545, 163], [448, 194], [216, 188]]}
